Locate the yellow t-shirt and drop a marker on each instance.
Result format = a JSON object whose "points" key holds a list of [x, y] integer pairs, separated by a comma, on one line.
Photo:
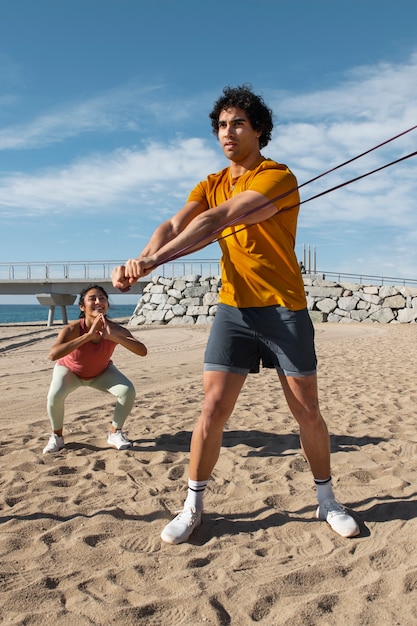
{"points": [[259, 265]]}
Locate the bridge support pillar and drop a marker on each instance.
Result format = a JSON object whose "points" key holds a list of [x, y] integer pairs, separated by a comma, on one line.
{"points": [[56, 299]]}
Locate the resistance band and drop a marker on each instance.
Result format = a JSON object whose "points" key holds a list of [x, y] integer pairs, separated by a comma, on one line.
{"points": [[241, 217]]}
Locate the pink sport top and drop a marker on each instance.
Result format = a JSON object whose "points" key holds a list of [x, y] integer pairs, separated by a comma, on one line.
{"points": [[90, 359]]}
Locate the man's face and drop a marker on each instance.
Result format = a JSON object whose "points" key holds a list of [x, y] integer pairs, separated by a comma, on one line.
{"points": [[236, 135]]}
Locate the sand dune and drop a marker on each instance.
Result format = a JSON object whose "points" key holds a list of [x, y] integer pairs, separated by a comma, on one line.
{"points": [[79, 542]]}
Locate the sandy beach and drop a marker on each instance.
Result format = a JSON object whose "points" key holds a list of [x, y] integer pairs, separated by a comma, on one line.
{"points": [[80, 530]]}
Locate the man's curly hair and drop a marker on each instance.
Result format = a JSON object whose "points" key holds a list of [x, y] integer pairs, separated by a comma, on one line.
{"points": [[259, 115]]}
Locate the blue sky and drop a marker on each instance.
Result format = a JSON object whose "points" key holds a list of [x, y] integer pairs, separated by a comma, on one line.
{"points": [[104, 123]]}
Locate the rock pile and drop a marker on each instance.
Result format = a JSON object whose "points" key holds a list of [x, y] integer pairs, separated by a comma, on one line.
{"points": [[193, 300], [185, 300], [352, 302]]}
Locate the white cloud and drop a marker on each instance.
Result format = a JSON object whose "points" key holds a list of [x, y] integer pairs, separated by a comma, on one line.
{"points": [[123, 109], [130, 108], [370, 106], [370, 93], [101, 181]]}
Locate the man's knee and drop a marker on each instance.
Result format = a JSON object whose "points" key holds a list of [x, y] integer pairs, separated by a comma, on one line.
{"points": [[309, 416], [213, 419]]}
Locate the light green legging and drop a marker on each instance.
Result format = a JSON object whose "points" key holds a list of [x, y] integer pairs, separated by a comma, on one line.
{"points": [[111, 380]]}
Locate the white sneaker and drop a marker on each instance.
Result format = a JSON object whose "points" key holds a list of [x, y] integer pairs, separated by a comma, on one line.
{"points": [[181, 527], [339, 519], [55, 444], [118, 440]]}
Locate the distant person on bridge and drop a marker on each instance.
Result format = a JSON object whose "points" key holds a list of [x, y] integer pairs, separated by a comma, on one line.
{"points": [[251, 208], [83, 353]]}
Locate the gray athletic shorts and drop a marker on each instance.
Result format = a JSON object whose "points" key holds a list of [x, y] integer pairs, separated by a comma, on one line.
{"points": [[241, 339]]}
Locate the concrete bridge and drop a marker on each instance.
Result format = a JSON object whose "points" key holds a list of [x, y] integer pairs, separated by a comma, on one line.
{"points": [[57, 283]]}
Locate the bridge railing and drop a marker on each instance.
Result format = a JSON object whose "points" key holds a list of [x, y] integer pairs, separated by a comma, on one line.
{"points": [[97, 270], [368, 279], [53, 271]]}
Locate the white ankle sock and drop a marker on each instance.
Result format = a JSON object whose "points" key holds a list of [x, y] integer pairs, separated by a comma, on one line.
{"points": [[195, 493], [324, 489]]}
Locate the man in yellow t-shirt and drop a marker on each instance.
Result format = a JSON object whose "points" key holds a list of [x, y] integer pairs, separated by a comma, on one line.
{"points": [[251, 208]]}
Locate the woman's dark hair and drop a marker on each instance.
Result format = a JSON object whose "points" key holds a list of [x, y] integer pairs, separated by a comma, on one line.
{"points": [[259, 115], [86, 290]]}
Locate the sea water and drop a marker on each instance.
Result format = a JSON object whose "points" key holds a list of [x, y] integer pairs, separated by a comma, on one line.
{"points": [[30, 313]]}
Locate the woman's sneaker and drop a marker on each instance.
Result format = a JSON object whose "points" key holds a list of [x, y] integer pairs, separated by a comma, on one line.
{"points": [[182, 526], [118, 440], [55, 444], [339, 519]]}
